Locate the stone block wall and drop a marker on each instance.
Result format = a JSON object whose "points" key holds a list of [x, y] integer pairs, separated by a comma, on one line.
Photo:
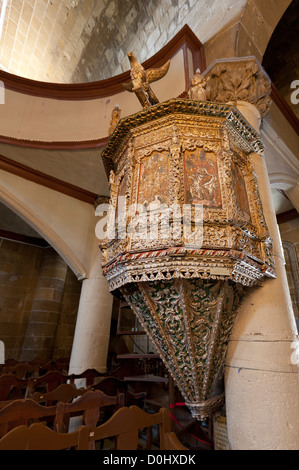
{"points": [[38, 302], [85, 40]]}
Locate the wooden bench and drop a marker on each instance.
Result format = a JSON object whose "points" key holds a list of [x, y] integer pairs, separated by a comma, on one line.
{"points": [[124, 426], [63, 393], [110, 385], [89, 375], [22, 370], [39, 437], [25, 411], [126, 423], [46, 383], [113, 386], [11, 387], [90, 407]]}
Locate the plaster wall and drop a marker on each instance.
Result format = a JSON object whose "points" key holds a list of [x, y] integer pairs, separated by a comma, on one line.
{"points": [[44, 119]]}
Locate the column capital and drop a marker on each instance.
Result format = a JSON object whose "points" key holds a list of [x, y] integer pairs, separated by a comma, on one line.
{"points": [[239, 79]]}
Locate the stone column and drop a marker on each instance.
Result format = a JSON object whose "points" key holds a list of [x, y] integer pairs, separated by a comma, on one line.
{"points": [[261, 373], [92, 333], [41, 329]]}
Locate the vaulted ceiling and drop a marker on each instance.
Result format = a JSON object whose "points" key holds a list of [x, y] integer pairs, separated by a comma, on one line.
{"points": [[69, 41], [72, 41]]}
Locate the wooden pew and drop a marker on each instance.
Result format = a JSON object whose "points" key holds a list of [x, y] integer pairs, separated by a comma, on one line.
{"points": [[46, 383], [172, 442], [125, 424], [113, 385], [22, 370], [11, 387], [39, 437], [110, 385], [89, 375], [52, 379], [63, 393], [88, 406], [26, 411]]}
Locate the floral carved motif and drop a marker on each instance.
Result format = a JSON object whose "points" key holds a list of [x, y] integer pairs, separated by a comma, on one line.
{"points": [[242, 80]]}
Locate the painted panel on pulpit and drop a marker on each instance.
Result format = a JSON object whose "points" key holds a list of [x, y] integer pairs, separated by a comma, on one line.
{"points": [[121, 194], [154, 179], [201, 178], [239, 187]]}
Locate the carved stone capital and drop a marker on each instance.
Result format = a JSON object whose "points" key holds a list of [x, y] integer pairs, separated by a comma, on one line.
{"points": [[239, 79]]}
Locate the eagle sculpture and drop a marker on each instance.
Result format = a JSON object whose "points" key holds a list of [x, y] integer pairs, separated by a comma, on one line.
{"points": [[141, 79]]}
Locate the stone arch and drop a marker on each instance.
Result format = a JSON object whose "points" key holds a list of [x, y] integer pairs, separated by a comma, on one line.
{"points": [[40, 225], [249, 33], [283, 181], [257, 23]]}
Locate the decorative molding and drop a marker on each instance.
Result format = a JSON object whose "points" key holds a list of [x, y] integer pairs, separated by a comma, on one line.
{"points": [[43, 179], [267, 132], [54, 145], [25, 239], [283, 181], [184, 39], [284, 108], [239, 129]]}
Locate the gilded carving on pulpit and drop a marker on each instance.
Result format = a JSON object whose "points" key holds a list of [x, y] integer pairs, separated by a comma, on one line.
{"points": [[197, 90], [186, 284], [115, 117], [239, 187], [141, 80], [201, 178], [154, 179]]}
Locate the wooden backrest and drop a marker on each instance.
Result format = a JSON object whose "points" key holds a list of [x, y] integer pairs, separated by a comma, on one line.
{"points": [[126, 423], [16, 439], [47, 382], [110, 385], [40, 437], [172, 442], [124, 426], [89, 375], [63, 393], [11, 387], [23, 412], [88, 406], [22, 370]]}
